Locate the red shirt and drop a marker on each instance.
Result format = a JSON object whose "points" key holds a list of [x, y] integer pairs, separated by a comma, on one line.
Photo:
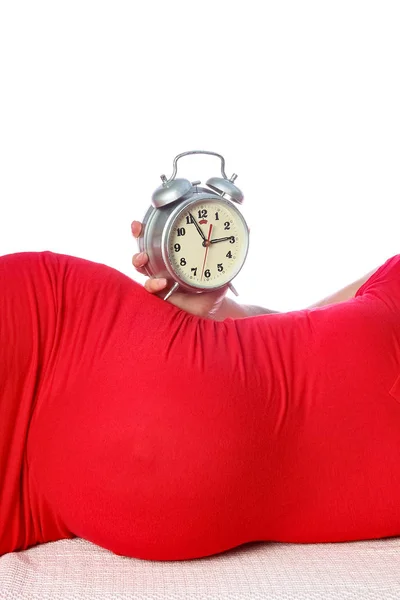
{"points": [[165, 436]]}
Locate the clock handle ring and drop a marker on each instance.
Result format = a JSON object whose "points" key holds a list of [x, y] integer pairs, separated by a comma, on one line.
{"points": [[165, 181]]}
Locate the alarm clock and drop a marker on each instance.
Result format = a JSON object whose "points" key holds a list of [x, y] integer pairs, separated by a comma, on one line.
{"points": [[195, 237]]}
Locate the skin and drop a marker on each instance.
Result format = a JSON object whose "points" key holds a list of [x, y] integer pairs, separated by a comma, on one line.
{"points": [[215, 305], [206, 305]]}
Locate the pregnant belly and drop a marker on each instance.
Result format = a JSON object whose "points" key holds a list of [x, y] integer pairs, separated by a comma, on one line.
{"points": [[161, 446]]}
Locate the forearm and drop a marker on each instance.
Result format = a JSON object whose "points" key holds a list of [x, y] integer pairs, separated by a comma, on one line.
{"points": [[231, 309], [345, 293]]}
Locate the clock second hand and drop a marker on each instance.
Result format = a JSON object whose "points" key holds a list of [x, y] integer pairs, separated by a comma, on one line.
{"points": [[207, 246]]}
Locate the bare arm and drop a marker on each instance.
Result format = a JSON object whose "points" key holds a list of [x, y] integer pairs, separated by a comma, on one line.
{"points": [[345, 293], [230, 308]]}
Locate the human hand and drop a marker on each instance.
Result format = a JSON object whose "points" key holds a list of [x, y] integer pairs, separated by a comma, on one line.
{"points": [[205, 305]]}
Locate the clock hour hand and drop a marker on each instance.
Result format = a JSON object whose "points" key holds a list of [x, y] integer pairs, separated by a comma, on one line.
{"points": [[221, 239], [197, 226]]}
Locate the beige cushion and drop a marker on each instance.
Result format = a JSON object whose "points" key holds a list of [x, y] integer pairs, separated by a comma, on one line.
{"points": [[78, 570]]}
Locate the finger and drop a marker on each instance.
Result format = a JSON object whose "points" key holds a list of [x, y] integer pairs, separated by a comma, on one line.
{"points": [[155, 285], [136, 228], [139, 260]]}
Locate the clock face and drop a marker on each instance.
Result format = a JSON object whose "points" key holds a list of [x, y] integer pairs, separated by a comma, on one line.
{"points": [[207, 243]]}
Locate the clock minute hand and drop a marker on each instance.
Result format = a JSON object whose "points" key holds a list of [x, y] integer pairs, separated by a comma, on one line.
{"points": [[197, 226], [221, 239]]}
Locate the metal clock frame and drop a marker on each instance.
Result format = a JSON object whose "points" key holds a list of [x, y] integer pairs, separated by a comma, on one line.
{"points": [[168, 202]]}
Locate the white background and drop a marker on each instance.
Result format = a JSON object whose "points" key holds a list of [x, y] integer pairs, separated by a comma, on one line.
{"points": [[302, 99]]}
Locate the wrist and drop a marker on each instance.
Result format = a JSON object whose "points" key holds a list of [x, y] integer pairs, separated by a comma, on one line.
{"points": [[231, 309]]}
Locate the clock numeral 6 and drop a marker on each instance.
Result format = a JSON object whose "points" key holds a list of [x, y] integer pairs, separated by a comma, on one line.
{"points": [[183, 262], [177, 247], [181, 231], [207, 273], [220, 267]]}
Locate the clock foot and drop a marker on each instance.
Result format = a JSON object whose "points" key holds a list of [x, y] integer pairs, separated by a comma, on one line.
{"points": [[230, 286], [172, 290]]}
